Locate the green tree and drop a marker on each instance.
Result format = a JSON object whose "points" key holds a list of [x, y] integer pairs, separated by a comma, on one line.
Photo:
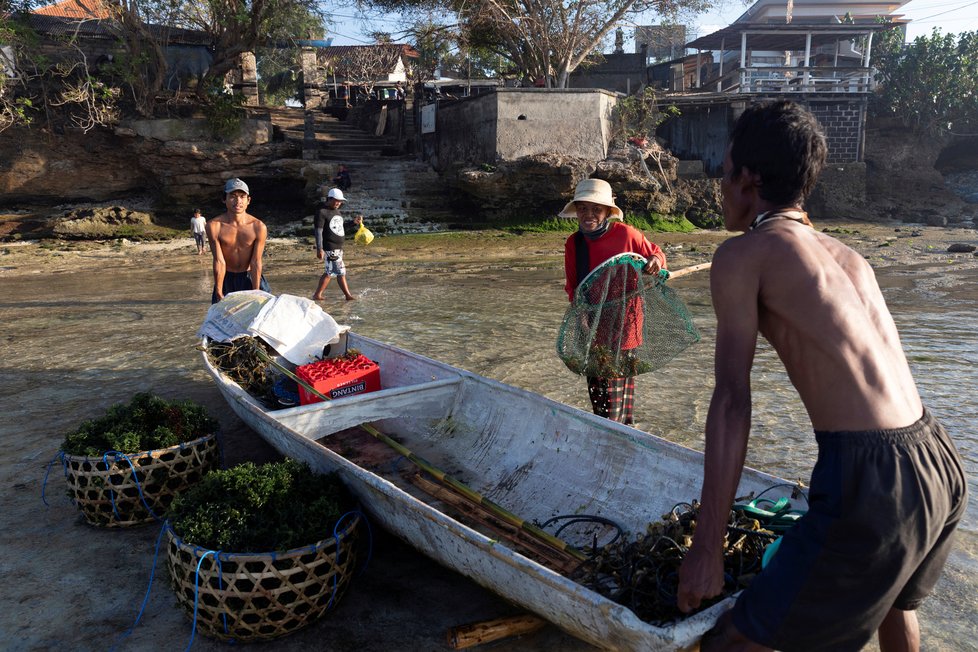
{"points": [[931, 83], [238, 26]]}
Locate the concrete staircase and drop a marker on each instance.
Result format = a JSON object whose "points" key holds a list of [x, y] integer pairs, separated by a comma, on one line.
{"points": [[395, 194], [398, 196], [335, 140]]}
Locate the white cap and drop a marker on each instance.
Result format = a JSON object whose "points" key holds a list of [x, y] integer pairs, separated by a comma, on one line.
{"points": [[337, 194]]}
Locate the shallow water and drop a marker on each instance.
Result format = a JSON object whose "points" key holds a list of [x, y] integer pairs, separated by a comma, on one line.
{"points": [[76, 343]]}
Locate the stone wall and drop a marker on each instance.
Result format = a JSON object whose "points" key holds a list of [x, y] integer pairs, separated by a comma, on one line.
{"points": [[702, 130], [173, 161], [513, 123], [574, 122], [844, 122], [465, 132]]}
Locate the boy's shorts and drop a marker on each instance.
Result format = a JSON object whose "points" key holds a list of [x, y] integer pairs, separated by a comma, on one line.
{"points": [[883, 506], [334, 263]]}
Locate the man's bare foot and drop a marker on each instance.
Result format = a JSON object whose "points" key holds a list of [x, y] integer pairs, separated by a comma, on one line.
{"points": [[315, 298], [351, 298]]}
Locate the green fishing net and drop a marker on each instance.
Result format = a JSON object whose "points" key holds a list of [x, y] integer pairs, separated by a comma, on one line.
{"points": [[623, 322]]}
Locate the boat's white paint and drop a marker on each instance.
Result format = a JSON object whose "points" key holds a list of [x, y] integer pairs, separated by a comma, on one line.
{"points": [[535, 457]]}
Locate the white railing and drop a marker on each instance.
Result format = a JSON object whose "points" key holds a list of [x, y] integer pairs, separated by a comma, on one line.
{"points": [[805, 80], [777, 79]]}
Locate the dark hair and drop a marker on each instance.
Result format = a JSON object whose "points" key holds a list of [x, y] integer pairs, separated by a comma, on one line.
{"points": [[783, 143]]}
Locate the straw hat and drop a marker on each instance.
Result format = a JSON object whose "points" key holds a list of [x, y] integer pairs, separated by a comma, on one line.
{"points": [[596, 191]]}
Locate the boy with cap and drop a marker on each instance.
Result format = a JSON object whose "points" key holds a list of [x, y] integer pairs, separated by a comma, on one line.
{"points": [[329, 223], [237, 241]]}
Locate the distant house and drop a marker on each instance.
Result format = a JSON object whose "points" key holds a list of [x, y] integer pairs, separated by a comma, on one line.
{"points": [[90, 25], [381, 64], [820, 56], [682, 73], [621, 72], [824, 46], [354, 74]]}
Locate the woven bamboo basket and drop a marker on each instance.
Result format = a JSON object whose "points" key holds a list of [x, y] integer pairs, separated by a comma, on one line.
{"points": [[107, 490], [261, 596]]}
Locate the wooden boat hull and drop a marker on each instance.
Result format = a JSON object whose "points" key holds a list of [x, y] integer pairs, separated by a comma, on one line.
{"points": [[533, 456]]}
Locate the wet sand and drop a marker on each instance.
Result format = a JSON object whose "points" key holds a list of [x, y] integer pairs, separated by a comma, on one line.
{"points": [[70, 586]]}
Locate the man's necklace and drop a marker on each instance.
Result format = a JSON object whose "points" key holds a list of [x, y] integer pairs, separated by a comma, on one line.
{"points": [[767, 216]]}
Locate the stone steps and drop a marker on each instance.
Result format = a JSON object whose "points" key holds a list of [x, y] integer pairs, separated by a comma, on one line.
{"points": [[395, 194]]}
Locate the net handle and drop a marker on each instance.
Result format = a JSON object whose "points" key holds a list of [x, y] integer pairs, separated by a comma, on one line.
{"points": [[688, 270]]}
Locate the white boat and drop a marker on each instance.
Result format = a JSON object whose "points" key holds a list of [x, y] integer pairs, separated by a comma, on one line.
{"points": [[533, 456]]}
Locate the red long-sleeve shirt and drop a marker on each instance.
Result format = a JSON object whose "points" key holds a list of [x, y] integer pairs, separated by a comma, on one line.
{"points": [[619, 239]]}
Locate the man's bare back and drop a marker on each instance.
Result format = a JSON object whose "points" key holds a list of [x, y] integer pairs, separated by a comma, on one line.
{"points": [[889, 472], [821, 309]]}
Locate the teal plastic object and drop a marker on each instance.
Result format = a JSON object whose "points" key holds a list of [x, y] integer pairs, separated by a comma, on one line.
{"points": [[769, 552]]}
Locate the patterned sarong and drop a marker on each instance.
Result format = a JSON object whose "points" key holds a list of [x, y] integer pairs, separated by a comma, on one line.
{"points": [[612, 398]]}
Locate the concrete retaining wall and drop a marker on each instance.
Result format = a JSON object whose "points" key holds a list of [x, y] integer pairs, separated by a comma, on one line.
{"points": [[512, 123]]}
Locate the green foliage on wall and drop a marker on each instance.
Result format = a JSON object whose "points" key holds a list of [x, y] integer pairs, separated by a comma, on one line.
{"points": [[931, 83]]}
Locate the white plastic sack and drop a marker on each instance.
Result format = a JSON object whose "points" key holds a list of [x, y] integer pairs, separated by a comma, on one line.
{"points": [[231, 317], [296, 327]]}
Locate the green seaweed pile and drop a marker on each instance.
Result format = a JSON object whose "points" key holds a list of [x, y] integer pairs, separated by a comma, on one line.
{"points": [[147, 422], [242, 361], [260, 508], [602, 362], [643, 573]]}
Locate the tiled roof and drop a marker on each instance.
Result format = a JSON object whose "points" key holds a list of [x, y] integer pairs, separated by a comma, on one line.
{"points": [[99, 28], [340, 51], [77, 9]]}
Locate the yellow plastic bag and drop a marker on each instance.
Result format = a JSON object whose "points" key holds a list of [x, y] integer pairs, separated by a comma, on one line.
{"points": [[363, 236]]}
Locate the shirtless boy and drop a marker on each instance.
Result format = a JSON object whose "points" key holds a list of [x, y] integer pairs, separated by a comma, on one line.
{"points": [[237, 240], [888, 488]]}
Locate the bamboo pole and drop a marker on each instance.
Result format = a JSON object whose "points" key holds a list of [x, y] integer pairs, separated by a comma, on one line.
{"points": [[679, 273], [462, 489], [466, 636]]}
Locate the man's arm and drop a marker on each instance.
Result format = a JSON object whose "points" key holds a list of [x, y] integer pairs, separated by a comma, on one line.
{"points": [[213, 230], [734, 286], [317, 229], [350, 227], [257, 251]]}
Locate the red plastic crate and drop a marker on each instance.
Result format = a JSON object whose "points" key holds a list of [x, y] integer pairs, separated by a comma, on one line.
{"points": [[338, 377]]}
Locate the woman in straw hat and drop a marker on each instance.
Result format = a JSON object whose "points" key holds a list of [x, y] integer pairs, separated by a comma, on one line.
{"points": [[600, 236]]}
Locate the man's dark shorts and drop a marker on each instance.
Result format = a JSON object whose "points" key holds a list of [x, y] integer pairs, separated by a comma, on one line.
{"points": [[237, 281], [883, 506]]}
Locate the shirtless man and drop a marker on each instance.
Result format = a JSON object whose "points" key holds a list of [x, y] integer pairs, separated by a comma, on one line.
{"points": [[237, 240], [888, 488]]}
